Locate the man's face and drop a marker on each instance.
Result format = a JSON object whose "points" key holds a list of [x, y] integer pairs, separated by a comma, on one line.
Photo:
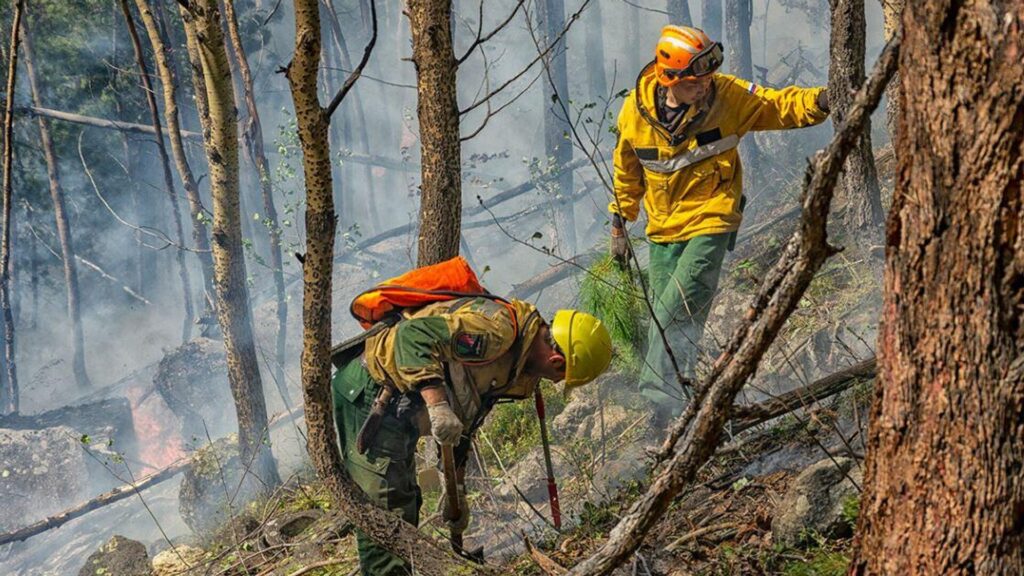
{"points": [[692, 91], [545, 359]]}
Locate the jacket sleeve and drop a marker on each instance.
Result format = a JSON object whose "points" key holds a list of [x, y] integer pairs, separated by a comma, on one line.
{"points": [[789, 107], [420, 346], [629, 174]]}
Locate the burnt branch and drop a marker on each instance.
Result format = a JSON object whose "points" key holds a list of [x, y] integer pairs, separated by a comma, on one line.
{"points": [[351, 80], [481, 38]]}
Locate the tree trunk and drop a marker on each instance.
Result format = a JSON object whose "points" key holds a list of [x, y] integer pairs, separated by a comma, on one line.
{"points": [[162, 56], [229, 261], [165, 164], [253, 139], [441, 188], [557, 145], [400, 537], [639, 53], [9, 398], [679, 12], [711, 18], [738, 17], [67, 249], [594, 35], [891, 11], [944, 493], [859, 182]]}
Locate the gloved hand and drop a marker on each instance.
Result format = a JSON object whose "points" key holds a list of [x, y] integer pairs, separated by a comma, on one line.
{"points": [[822, 101], [454, 524], [620, 247], [445, 426]]}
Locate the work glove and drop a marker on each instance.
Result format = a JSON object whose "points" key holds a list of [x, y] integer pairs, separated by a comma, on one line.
{"points": [[620, 247], [822, 101], [459, 524], [445, 426]]}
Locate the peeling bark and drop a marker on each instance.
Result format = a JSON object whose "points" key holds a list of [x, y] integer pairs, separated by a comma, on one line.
{"points": [[944, 491]]}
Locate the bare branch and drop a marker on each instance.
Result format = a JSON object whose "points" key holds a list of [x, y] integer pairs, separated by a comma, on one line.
{"points": [[351, 80], [554, 42], [480, 40]]}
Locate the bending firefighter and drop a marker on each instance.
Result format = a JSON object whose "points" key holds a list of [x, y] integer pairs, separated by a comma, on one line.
{"points": [[437, 370], [677, 154]]}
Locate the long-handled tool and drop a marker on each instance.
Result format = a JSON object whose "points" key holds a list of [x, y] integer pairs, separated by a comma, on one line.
{"points": [[556, 509], [452, 510]]}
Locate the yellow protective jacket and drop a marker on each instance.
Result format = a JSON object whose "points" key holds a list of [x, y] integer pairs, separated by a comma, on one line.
{"points": [[482, 343], [693, 187]]}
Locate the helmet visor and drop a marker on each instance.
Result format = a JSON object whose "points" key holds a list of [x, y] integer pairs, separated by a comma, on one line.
{"points": [[704, 63]]}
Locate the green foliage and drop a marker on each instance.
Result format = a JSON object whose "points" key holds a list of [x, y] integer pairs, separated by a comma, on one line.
{"points": [[821, 562], [608, 293], [512, 427], [851, 510]]}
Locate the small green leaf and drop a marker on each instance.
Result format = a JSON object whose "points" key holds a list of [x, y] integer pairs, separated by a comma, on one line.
{"points": [[86, 439], [537, 235]]}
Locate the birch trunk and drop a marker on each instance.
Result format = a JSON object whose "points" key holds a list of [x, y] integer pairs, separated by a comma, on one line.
{"points": [[228, 259]]}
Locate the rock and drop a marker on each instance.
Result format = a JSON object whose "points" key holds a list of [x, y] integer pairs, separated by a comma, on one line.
{"points": [[178, 561], [42, 472], [575, 412], [530, 475], [118, 557], [215, 488], [814, 502], [289, 526], [193, 381]]}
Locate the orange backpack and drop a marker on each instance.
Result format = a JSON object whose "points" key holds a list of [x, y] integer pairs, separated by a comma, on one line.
{"points": [[435, 283]]}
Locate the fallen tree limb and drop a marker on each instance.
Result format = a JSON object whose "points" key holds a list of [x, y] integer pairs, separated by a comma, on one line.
{"points": [[119, 493], [746, 416], [547, 565], [699, 430]]}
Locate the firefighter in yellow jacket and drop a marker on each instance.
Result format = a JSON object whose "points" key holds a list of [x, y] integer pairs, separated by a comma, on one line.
{"points": [[677, 155], [449, 363]]}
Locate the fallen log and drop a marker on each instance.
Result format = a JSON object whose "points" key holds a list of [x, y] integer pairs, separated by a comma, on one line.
{"points": [[747, 416], [554, 274]]}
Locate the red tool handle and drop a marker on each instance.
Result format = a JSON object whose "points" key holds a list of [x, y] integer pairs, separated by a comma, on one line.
{"points": [[556, 508]]}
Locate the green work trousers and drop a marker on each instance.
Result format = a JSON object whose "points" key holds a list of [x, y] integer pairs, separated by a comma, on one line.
{"points": [[387, 472], [683, 279]]}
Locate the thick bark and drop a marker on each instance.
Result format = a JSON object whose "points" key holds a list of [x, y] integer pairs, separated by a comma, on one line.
{"points": [[701, 425], [9, 398], [711, 18], [253, 138], [738, 17], [313, 121], [891, 11], [165, 164], [944, 492], [859, 182], [440, 148], [594, 45], [679, 12], [67, 248], [229, 261], [162, 56], [557, 147]]}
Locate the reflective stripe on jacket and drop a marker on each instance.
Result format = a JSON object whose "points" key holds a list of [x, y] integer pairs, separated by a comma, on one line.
{"points": [[692, 187]]}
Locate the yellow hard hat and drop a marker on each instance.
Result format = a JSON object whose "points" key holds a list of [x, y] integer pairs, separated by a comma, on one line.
{"points": [[586, 344]]}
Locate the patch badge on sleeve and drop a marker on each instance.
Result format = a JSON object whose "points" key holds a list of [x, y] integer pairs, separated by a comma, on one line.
{"points": [[470, 345], [753, 88]]}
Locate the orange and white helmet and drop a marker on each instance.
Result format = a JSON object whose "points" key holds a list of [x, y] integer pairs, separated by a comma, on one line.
{"points": [[685, 53]]}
